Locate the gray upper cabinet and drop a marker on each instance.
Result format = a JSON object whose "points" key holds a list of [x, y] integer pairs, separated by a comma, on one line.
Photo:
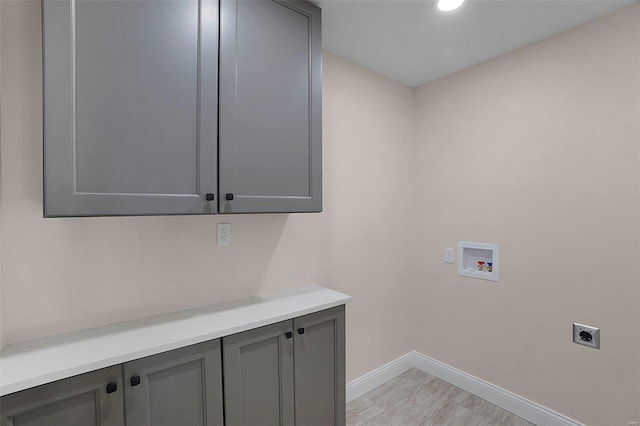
{"points": [[181, 387], [91, 399], [132, 112], [130, 106], [270, 107]]}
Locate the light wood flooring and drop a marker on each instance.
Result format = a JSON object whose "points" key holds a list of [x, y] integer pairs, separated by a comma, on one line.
{"points": [[417, 398]]}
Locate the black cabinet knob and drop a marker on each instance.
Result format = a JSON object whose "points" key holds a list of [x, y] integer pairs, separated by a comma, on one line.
{"points": [[112, 387], [301, 330], [210, 197], [229, 197], [288, 334], [134, 380]]}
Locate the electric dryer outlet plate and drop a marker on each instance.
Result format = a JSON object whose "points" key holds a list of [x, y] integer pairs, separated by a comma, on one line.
{"points": [[586, 335]]}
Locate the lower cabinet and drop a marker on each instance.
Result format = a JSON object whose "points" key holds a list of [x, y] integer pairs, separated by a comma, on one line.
{"points": [[288, 373], [89, 399], [180, 387], [320, 382], [291, 372], [258, 376]]}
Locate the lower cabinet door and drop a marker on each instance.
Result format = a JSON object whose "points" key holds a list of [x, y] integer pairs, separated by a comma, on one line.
{"points": [[91, 399], [320, 382], [258, 376], [182, 387]]}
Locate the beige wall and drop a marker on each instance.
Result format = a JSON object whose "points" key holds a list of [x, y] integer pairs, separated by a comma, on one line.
{"points": [[1, 116], [538, 151], [65, 274]]}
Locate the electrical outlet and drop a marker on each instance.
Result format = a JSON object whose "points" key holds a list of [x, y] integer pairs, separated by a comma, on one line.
{"points": [[448, 255], [586, 335], [224, 234]]}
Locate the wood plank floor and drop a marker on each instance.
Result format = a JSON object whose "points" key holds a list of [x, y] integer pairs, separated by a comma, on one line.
{"points": [[417, 398]]}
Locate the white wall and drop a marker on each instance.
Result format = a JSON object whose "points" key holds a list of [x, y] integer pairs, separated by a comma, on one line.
{"points": [[538, 151], [66, 274]]}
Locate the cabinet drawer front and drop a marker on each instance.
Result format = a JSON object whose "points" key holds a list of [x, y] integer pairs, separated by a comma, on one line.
{"points": [[180, 387], [77, 401], [320, 382], [258, 376], [126, 84]]}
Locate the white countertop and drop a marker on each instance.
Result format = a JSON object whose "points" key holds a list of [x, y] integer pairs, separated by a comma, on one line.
{"points": [[36, 362]]}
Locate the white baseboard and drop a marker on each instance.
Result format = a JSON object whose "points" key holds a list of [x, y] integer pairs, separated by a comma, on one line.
{"points": [[521, 407], [375, 378]]}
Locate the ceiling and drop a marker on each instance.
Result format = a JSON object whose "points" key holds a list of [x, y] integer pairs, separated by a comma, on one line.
{"points": [[413, 42]]}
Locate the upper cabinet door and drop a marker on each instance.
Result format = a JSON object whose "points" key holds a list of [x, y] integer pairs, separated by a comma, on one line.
{"points": [[270, 107], [130, 107]]}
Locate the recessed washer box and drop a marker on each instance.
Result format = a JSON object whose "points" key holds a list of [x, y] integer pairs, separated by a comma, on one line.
{"points": [[478, 260]]}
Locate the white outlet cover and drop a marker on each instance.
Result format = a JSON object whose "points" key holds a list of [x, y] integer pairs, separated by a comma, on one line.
{"points": [[224, 234], [448, 255]]}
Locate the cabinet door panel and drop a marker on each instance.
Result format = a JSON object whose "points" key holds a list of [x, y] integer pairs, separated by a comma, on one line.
{"points": [[179, 387], [258, 377], [77, 401], [126, 129], [270, 106], [320, 368]]}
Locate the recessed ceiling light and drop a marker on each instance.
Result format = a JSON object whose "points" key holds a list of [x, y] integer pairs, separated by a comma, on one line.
{"points": [[447, 5]]}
